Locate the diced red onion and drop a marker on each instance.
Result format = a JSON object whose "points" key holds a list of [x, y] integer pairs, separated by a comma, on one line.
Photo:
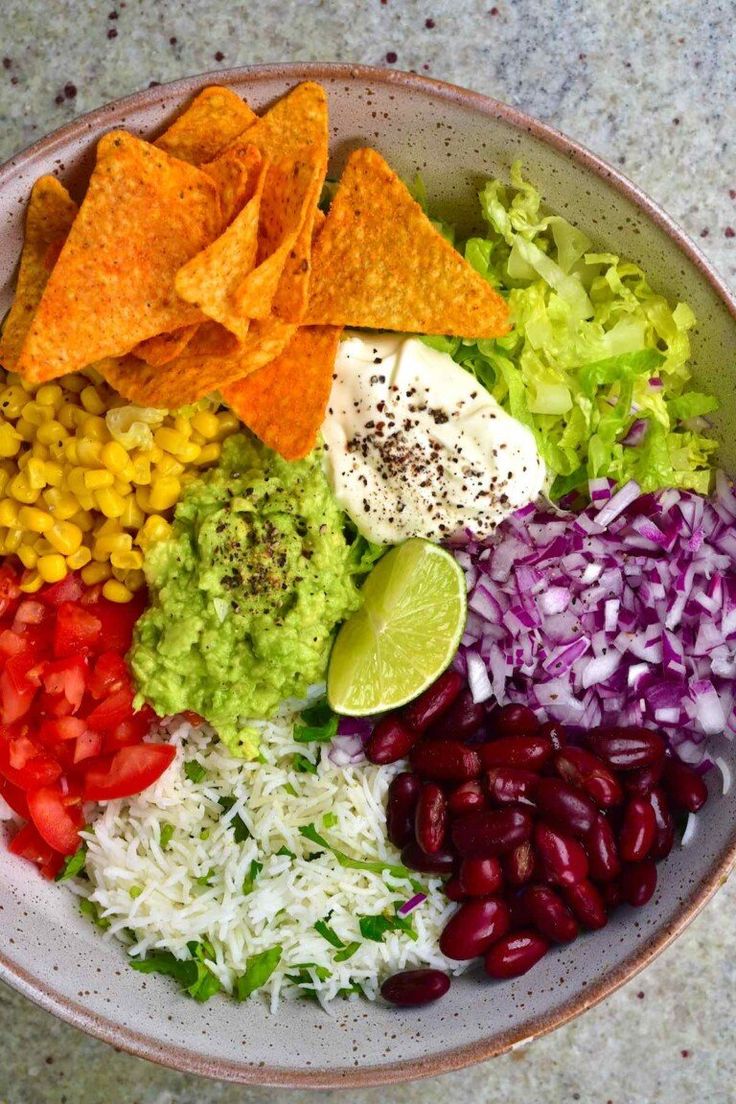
{"points": [[346, 751], [413, 902], [726, 774], [478, 680], [637, 432]]}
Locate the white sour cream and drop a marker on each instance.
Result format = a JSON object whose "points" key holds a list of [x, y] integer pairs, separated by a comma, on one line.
{"points": [[416, 447]]}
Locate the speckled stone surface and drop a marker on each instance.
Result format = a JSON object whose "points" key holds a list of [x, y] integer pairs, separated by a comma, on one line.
{"points": [[650, 86]]}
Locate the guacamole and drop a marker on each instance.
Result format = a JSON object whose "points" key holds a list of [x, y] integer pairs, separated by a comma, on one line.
{"points": [[247, 591]]}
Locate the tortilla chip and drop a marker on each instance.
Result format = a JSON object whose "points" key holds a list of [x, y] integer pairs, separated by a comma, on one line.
{"points": [[144, 215], [51, 212], [294, 129], [210, 279], [164, 347], [284, 403], [236, 174], [196, 373], [212, 120], [379, 263]]}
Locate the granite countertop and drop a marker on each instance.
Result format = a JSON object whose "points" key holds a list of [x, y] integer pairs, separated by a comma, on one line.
{"points": [[649, 85]]}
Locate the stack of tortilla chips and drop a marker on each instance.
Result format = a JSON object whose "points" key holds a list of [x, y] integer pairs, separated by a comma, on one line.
{"points": [[201, 262]]}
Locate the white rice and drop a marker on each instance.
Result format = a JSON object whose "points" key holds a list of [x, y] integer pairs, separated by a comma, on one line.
{"points": [[169, 908]]}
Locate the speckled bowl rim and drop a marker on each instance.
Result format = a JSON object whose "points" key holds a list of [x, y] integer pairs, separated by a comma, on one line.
{"points": [[140, 1044]]}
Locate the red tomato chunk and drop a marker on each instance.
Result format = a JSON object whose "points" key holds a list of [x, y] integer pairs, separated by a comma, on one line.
{"points": [[68, 730]]}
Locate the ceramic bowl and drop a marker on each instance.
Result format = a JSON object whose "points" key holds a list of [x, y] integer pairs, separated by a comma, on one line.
{"points": [[455, 138]]}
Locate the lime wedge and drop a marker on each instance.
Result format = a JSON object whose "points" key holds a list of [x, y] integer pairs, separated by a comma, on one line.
{"points": [[405, 633]]}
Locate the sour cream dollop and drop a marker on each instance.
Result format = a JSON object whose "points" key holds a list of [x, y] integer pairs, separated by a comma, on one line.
{"points": [[416, 447]]}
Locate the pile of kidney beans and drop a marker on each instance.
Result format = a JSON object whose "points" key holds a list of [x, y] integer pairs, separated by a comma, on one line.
{"points": [[539, 837]]}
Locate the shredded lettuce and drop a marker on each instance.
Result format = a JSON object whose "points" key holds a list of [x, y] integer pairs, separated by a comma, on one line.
{"points": [[592, 350]]}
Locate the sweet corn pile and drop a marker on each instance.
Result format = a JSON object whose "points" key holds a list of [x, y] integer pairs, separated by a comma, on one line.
{"points": [[87, 482]]}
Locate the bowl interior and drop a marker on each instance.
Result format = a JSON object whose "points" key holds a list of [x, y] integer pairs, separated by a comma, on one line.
{"points": [[455, 140]]}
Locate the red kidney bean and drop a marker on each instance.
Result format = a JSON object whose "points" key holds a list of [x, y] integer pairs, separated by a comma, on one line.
{"points": [[550, 914], [487, 832], [390, 741], [513, 720], [612, 894], [555, 732], [561, 856], [602, 849], [454, 890], [627, 748], [641, 782], [520, 864], [434, 702], [466, 796], [684, 786], [445, 761], [430, 822], [474, 927], [637, 831], [586, 903], [571, 809], [530, 752], [403, 794], [409, 988], [514, 954], [581, 768], [508, 784], [464, 718], [664, 835], [441, 862], [480, 877], [638, 882]]}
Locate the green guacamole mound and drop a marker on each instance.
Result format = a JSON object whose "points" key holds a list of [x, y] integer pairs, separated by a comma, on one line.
{"points": [[247, 592]]}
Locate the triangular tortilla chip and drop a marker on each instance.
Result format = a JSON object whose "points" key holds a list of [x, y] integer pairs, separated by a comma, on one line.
{"points": [[164, 347], [197, 373], [379, 263], [51, 212], [213, 119], [284, 403], [210, 279], [144, 215], [236, 174]]}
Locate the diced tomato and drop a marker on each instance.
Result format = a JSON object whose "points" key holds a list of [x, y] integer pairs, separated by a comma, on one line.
{"points": [[192, 717], [14, 703], [111, 712], [130, 731], [28, 844], [68, 677], [88, 745], [57, 820], [11, 643], [29, 612], [56, 730], [54, 705], [26, 765], [68, 589], [118, 619], [15, 798], [10, 592], [127, 772], [108, 675], [76, 631]]}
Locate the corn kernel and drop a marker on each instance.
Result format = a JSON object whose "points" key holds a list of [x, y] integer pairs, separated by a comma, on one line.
{"points": [[10, 440], [92, 374], [134, 580], [155, 528], [60, 503], [183, 425], [91, 400], [31, 583], [51, 432], [127, 561], [84, 519], [115, 458], [42, 546], [141, 471], [70, 450], [115, 542], [94, 573], [154, 455], [96, 428], [165, 490], [142, 499], [66, 416], [168, 466], [9, 510], [98, 477], [35, 472], [25, 429], [89, 451], [132, 516], [227, 423], [50, 394], [169, 439], [13, 541], [35, 520], [75, 481], [5, 478], [51, 568], [107, 526], [86, 501], [205, 422], [115, 591], [56, 450], [27, 555], [123, 487], [54, 473], [12, 401], [209, 454], [198, 438], [65, 537], [75, 383], [109, 502], [36, 414], [188, 453], [20, 489], [79, 558]]}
